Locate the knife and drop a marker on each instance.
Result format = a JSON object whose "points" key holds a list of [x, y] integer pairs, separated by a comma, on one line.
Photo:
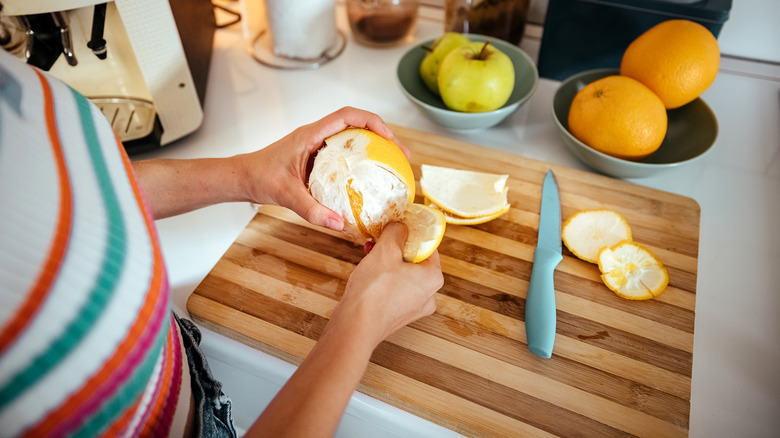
{"points": [[540, 302]]}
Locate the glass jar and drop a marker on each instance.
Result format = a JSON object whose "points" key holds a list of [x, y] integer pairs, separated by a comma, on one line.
{"points": [[382, 22], [502, 19]]}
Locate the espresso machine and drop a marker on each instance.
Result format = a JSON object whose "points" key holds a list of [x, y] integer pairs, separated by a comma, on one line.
{"points": [[144, 63]]}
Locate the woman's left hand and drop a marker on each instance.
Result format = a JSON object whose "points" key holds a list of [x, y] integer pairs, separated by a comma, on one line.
{"points": [[278, 174]]}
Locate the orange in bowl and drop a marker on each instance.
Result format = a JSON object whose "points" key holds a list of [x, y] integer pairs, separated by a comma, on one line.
{"points": [[618, 116], [677, 59], [691, 132]]}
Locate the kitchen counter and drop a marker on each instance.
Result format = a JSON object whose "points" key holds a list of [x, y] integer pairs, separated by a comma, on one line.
{"points": [[736, 385]]}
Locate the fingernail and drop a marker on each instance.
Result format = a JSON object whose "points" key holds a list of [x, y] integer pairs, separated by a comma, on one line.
{"points": [[334, 224], [368, 246]]}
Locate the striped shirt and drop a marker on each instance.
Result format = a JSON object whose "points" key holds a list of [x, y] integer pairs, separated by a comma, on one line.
{"points": [[88, 344]]}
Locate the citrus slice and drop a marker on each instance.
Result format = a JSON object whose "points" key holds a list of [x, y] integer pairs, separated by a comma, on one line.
{"points": [[426, 229], [588, 231], [464, 193], [365, 178], [632, 271], [459, 220]]}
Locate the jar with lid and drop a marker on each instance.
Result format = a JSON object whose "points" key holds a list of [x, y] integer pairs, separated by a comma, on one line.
{"points": [[502, 19], [382, 22]]}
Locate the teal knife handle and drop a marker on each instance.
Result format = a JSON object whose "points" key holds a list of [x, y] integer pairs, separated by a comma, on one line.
{"points": [[540, 303]]}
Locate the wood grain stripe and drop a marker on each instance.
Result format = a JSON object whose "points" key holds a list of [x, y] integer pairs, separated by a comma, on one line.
{"points": [[499, 375]]}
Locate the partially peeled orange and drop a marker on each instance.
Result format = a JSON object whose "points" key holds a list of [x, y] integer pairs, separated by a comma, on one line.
{"points": [[365, 178], [368, 180]]}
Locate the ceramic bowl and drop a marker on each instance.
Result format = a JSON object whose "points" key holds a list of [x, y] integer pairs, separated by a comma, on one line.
{"points": [[412, 85], [691, 132]]}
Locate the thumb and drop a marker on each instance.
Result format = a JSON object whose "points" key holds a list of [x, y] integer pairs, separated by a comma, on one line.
{"points": [[315, 213], [393, 234]]}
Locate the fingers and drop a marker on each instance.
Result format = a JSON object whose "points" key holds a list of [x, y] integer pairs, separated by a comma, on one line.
{"points": [[315, 213], [402, 147], [433, 263], [433, 260], [393, 236], [364, 119], [348, 116], [376, 124], [430, 306]]}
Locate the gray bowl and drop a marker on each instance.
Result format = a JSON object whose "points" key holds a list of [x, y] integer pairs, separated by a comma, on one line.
{"points": [[412, 85], [691, 132]]}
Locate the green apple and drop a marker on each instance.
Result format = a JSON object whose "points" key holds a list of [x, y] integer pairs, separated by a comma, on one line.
{"points": [[429, 67], [476, 77]]}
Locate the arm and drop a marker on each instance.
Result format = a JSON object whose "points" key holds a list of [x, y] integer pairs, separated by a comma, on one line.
{"points": [[382, 295], [174, 187], [314, 399], [275, 174]]}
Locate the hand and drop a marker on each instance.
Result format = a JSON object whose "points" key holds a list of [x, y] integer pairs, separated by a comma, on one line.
{"points": [[384, 293], [278, 173]]}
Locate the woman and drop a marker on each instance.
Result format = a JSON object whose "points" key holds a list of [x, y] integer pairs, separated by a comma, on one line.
{"points": [[88, 342]]}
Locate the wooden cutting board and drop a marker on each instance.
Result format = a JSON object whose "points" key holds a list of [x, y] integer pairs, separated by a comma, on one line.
{"points": [[618, 368]]}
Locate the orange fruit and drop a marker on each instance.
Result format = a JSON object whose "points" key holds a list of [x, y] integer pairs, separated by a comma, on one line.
{"points": [[618, 116], [365, 178], [677, 59]]}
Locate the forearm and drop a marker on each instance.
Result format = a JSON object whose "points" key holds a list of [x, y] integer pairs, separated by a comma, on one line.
{"points": [[177, 186], [313, 401]]}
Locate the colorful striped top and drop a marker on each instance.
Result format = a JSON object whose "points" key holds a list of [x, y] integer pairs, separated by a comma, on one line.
{"points": [[88, 343]]}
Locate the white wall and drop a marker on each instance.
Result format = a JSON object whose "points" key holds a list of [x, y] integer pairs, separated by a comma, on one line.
{"points": [[753, 30]]}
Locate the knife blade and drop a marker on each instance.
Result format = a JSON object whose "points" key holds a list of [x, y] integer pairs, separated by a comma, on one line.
{"points": [[540, 314]]}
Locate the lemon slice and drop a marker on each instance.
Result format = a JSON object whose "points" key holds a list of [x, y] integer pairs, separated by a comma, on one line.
{"points": [[588, 231], [459, 220], [464, 193], [632, 271], [426, 229]]}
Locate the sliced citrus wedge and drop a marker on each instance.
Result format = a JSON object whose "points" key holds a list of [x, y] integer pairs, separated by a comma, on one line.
{"points": [[459, 220], [588, 231], [464, 193], [632, 271], [426, 229]]}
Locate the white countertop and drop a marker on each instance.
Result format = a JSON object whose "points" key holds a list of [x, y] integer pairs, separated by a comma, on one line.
{"points": [[736, 367]]}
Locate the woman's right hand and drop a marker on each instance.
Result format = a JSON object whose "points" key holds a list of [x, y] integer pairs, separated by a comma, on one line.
{"points": [[384, 293]]}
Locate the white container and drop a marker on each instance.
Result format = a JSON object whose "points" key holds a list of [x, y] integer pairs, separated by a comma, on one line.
{"points": [[302, 29]]}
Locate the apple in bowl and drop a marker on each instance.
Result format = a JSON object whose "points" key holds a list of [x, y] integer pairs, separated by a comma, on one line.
{"points": [[476, 77], [429, 67], [412, 85]]}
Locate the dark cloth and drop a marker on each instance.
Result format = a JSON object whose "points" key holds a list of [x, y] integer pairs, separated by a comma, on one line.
{"points": [[213, 409]]}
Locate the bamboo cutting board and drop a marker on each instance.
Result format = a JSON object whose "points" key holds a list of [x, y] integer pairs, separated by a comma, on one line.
{"points": [[618, 368]]}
